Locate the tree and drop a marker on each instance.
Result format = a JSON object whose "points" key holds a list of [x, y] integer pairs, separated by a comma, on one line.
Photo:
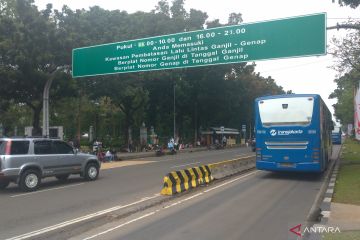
{"points": [[351, 3], [163, 8], [31, 50], [347, 52], [235, 18], [344, 93]]}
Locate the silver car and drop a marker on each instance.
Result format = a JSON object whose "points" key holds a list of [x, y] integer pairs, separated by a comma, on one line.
{"points": [[26, 161]]}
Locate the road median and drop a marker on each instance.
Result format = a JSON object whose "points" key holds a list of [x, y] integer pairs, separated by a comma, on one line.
{"points": [[183, 180]]}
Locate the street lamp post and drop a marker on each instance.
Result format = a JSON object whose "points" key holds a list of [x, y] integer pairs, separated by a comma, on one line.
{"points": [[45, 130]]}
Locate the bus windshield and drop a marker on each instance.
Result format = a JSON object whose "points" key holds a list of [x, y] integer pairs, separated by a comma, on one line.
{"points": [[286, 111]]}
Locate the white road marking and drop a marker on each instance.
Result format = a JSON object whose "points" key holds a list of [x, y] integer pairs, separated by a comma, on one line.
{"points": [[231, 181], [249, 156], [141, 217], [240, 155], [80, 219], [184, 200], [176, 166], [46, 190], [167, 207], [120, 226]]}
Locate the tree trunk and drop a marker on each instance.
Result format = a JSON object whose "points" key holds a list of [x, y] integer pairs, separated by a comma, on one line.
{"points": [[78, 130], [196, 122], [36, 120], [127, 130]]}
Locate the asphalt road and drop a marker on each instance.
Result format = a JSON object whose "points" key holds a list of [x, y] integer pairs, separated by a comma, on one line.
{"points": [[255, 206], [57, 203]]}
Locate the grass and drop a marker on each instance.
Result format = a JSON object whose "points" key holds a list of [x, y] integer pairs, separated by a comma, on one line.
{"points": [[346, 235], [347, 187]]}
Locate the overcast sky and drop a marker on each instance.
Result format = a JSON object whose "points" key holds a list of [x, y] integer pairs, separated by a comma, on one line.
{"points": [[301, 75]]}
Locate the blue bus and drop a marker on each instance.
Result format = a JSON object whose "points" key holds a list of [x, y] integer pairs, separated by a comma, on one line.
{"points": [[293, 133], [336, 135]]}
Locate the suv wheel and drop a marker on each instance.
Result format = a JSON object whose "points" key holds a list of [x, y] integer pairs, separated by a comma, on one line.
{"points": [[30, 180], [62, 177], [91, 172], [4, 184]]}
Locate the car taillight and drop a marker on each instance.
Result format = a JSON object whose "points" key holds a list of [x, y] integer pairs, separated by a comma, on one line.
{"points": [[8, 148]]}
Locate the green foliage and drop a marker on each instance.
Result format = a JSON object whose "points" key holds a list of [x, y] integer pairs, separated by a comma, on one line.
{"points": [[347, 188], [347, 53], [31, 50], [14, 116], [344, 235], [344, 93], [351, 3], [235, 18]]}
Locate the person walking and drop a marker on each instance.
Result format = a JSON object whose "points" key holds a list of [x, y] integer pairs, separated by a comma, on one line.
{"points": [[224, 140], [108, 156]]}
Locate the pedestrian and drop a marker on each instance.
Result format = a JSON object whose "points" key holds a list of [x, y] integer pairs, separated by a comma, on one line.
{"points": [[130, 146], [108, 156], [114, 156], [224, 141], [101, 155]]}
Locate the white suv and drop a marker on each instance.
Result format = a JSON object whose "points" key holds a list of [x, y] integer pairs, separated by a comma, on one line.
{"points": [[26, 161]]}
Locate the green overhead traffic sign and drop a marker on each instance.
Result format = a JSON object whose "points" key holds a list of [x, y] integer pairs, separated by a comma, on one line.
{"points": [[282, 38]]}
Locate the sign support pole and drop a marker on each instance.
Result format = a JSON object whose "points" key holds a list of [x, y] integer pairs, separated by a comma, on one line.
{"points": [[174, 110]]}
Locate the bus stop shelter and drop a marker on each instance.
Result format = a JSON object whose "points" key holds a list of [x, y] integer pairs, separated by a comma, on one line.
{"points": [[210, 135]]}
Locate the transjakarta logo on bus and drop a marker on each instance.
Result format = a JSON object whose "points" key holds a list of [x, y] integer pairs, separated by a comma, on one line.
{"points": [[273, 132]]}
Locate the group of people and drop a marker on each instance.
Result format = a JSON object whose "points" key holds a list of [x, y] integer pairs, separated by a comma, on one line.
{"points": [[172, 145], [107, 156], [103, 156], [223, 141]]}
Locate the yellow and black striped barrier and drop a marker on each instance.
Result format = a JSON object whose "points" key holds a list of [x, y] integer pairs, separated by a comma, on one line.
{"points": [[180, 181]]}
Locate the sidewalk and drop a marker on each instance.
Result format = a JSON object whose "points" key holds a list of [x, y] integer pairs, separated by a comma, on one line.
{"points": [[136, 155], [345, 216], [344, 186]]}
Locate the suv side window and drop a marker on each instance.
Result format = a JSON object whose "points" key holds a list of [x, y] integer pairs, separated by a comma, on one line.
{"points": [[42, 147], [19, 147], [62, 148]]}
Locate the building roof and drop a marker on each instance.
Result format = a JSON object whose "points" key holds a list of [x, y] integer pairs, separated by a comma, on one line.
{"points": [[228, 131]]}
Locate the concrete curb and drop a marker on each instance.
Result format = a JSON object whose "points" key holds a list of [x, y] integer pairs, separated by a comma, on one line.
{"points": [[227, 168], [320, 211], [135, 155], [326, 203]]}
